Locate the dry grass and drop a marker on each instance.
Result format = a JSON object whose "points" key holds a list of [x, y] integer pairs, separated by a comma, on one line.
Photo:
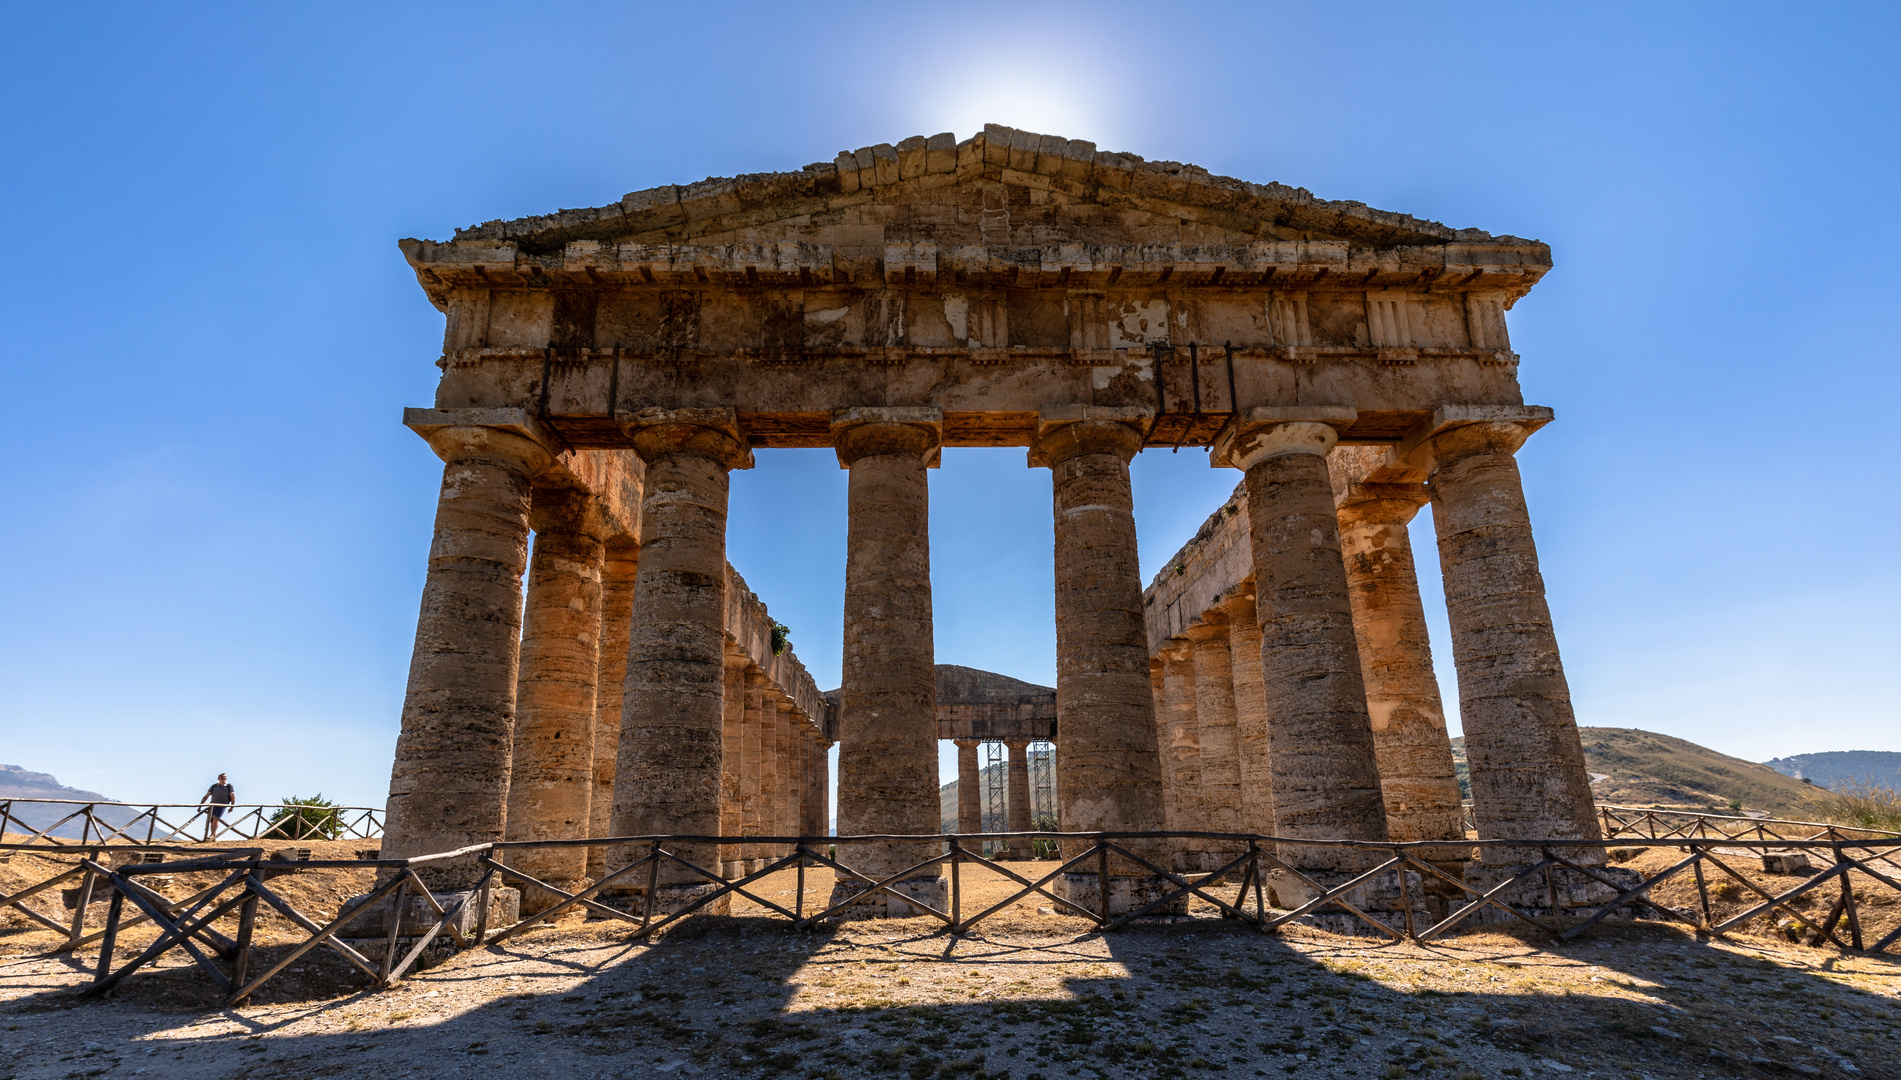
{"points": [[1864, 806]]}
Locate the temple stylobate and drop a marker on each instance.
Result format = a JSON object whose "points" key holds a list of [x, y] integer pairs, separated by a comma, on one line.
{"points": [[1011, 289]]}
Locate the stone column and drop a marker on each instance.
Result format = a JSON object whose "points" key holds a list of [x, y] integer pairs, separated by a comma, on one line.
{"points": [[1017, 794], [732, 761], [887, 720], [1181, 748], [667, 779], [617, 613], [1417, 779], [1320, 742], [551, 789], [970, 805], [823, 825], [772, 773], [1250, 713], [752, 821], [1521, 739], [791, 774], [1216, 733], [448, 786], [1110, 773]]}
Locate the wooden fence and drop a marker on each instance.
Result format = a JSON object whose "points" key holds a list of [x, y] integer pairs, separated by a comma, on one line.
{"points": [[1235, 890], [244, 821]]}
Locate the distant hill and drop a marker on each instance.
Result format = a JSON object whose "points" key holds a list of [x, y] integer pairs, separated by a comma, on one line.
{"points": [[19, 783], [1642, 768], [1837, 767]]}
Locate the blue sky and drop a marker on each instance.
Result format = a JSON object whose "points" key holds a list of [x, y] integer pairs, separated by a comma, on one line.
{"points": [[217, 525]]}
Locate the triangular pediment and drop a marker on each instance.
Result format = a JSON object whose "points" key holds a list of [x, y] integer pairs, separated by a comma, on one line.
{"points": [[1002, 189]]}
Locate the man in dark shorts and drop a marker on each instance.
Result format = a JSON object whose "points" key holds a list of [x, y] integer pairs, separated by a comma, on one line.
{"points": [[216, 799]]}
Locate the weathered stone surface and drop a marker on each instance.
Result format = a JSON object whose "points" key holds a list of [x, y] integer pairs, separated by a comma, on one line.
{"points": [[667, 780], [887, 719], [1110, 775], [1250, 713], [1527, 764], [551, 786], [622, 562], [1181, 740], [1017, 792], [970, 807], [1217, 735], [732, 761], [1417, 779], [449, 782], [1320, 742]]}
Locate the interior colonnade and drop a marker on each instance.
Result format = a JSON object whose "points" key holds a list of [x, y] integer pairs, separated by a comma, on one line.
{"points": [[513, 722]]}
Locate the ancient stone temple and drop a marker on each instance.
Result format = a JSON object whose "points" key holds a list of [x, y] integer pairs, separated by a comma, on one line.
{"points": [[605, 369]]}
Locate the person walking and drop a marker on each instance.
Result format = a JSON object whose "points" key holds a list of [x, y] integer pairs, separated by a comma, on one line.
{"points": [[217, 798]]}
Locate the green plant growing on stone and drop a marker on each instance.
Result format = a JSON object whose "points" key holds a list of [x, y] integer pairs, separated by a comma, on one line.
{"points": [[781, 637]]}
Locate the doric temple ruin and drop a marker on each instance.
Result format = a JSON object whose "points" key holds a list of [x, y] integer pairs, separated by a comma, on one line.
{"points": [[605, 369]]}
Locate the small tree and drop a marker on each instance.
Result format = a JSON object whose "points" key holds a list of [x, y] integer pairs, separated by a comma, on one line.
{"points": [[781, 638], [314, 818]]}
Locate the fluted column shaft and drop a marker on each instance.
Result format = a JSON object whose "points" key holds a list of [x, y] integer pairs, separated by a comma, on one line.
{"points": [[622, 562], [667, 779], [772, 778], [1320, 742], [550, 794], [1521, 738], [1217, 736], [887, 721], [791, 773], [752, 819], [970, 806], [1109, 775], [449, 782], [732, 812], [822, 823], [1250, 715], [1018, 793], [1417, 779], [1182, 740]]}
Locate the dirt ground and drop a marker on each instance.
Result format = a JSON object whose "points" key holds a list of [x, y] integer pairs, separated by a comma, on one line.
{"points": [[1030, 995]]}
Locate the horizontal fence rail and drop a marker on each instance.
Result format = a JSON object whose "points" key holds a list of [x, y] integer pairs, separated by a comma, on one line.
{"points": [[151, 823], [1553, 873]]}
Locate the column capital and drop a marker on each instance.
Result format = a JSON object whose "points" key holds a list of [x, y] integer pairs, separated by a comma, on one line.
{"points": [[1269, 431], [504, 435], [888, 431], [967, 744], [1176, 651], [1066, 431], [1017, 746], [1238, 607], [563, 509], [1456, 430], [1213, 625], [713, 434]]}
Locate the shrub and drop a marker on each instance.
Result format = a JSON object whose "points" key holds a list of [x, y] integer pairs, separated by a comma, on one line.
{"points": [[1865, 806], [314, 818]]}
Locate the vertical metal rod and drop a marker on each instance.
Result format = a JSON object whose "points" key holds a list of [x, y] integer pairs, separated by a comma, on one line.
{"points": [[1102, 877], [798, 901], [1234, 401], [1161, 392], [1194, 373]]}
